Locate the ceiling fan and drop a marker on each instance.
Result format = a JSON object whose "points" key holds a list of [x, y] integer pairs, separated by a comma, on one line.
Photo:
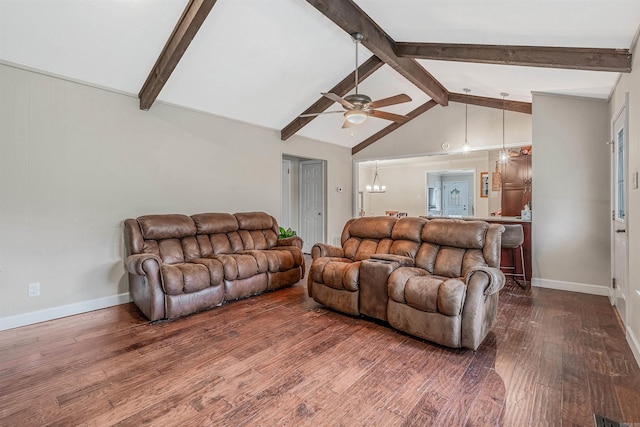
{"points": [[358, 107]]}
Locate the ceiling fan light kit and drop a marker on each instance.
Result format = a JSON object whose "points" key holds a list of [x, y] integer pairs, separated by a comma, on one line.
{"points": [[355, 116], [358, 107]]}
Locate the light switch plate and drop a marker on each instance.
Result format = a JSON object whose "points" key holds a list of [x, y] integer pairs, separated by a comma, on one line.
{"points": [[634, 180]]}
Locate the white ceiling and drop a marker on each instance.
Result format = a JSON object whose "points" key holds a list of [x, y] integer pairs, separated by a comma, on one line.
{"points": [[265, 61]]}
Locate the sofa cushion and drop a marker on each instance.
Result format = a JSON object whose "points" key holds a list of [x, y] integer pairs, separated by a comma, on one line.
{"points": [[341, 275], [184, 278], [406, 236], [372, 227], [170, 226], [258, 239], [426, 292], [241, 265], [455, 232], [359, 249], [214, 223], [216, 271]]}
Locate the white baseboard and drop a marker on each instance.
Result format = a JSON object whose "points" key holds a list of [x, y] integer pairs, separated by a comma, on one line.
{"points": [[571, 287], [62, 311], [634, 344]]}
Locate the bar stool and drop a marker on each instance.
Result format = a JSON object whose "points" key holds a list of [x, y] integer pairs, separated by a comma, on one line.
{"points": [[513, 238]]}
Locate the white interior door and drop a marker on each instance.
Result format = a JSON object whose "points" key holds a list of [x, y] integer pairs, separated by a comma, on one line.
{"points": [[455, 198], [311, 203], [619, 246], [285, 210]]}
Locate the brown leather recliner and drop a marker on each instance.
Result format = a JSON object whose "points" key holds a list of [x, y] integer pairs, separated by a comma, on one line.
{"points": [[180, 265], [436, 279]]}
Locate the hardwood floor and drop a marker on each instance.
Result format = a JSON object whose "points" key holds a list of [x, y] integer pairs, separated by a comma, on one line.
{"points": [[553, 358]]}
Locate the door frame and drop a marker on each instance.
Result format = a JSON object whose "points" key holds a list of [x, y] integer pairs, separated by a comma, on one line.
{"points": [[616, 223]]}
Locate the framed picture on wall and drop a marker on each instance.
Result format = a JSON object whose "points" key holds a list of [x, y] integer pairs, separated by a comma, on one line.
{"points": [[484, 184]]}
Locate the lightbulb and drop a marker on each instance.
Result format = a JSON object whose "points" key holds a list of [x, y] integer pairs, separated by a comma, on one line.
{"points": [[466, 147], [504, 156]]}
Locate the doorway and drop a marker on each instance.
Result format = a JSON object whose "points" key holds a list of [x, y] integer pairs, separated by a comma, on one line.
{"points": [[450, 193], [619, 197], [305, 198]]}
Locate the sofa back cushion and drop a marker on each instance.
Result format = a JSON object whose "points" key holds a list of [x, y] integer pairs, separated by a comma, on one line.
{"points": [[451, 247], [406, 236], [258, 230], [171, 237], [217, 233], [224, 233], [363, 237]]}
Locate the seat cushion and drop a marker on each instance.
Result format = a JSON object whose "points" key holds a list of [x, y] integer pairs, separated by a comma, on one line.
{"points": [[425, 292], [337, 273], [185, 278], [241, 266]]}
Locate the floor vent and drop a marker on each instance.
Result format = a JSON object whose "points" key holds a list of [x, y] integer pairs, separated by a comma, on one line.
{"points": [[606, 422]]}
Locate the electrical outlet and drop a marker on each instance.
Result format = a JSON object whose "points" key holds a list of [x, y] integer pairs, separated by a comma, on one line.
{"points": [[34, 289]]}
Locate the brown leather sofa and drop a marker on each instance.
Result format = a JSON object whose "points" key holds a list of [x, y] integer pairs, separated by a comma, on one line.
{"points": [[181, 264], [435, 279]]}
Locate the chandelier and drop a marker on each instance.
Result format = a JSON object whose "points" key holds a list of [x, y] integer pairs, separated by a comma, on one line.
{"points": [[376, 186]]}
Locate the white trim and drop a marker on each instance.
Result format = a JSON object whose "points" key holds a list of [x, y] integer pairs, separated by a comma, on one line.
{"points": [[634, 344], [62, 311], [583, 288]]}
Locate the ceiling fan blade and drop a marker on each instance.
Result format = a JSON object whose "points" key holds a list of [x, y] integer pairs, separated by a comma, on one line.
{"points": [[317, 114], [392, 100], [336, 98], [389, 116]]}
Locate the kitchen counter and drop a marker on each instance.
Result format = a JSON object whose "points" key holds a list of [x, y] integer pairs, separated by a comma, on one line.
{"points": [[500, 219]]}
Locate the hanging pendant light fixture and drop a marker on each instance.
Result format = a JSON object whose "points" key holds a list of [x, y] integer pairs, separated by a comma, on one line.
{"points": [[466, 147], [376, 186], [504, 154]]}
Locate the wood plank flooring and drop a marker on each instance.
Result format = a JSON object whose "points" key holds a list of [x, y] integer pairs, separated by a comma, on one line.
{"points": [[553, 358]]}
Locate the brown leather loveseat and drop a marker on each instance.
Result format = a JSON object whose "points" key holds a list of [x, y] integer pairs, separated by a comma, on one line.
{"points": [[181, 264], [435, 279]]}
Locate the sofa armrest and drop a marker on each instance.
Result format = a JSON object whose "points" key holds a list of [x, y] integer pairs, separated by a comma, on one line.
{"points": [[134, 264], [404, 261], [320, 250], [494, 275], [291, 241]]}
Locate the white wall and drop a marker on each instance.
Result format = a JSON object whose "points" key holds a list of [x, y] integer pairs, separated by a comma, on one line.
{"points": [[75, 161], [570, 198], [630, 83], [426, 133]]}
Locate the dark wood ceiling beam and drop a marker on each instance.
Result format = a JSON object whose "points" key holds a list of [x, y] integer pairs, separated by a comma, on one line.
{"points": [[341, 89], [592, 59], [348, 16], [509, 105], [185, 30], [393, 126]]}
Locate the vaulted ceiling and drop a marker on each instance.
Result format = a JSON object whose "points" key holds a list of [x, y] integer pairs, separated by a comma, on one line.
{"points": [[265, 62]]}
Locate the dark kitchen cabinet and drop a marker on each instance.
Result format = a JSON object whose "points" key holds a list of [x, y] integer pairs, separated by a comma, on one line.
{"points": [[516, 185]]}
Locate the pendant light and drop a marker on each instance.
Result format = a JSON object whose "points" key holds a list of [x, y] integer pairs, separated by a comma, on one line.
{"points": [[504, 154], [466, 147], [376, 186]]}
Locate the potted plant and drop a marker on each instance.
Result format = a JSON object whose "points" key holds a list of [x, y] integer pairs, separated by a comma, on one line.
{"points": [[286, 233]]}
